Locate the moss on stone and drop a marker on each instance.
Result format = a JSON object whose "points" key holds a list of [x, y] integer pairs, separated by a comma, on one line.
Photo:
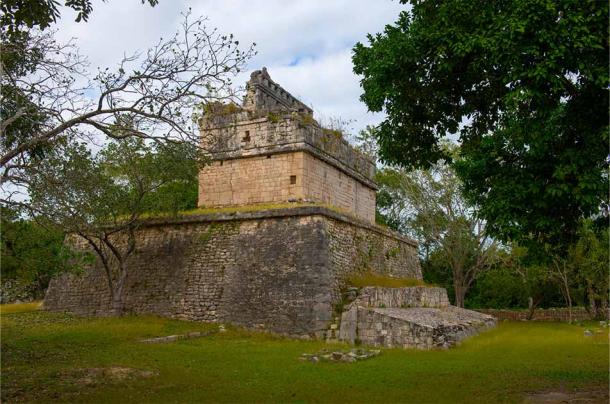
{"points": [[306, 119], [370, 278], [207, 235], [273, 117], [219, 109]]}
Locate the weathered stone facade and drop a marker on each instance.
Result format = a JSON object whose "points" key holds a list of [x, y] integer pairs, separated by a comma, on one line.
{"points": [[271, 150], [280, 269], [283, 270]]}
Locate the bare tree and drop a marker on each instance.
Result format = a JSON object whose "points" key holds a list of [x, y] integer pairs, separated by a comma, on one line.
{"points": [[48, 96], [562, 271]]}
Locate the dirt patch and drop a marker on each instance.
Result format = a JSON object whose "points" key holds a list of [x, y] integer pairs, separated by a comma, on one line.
{"points": [[586, 396], [90, 376]]}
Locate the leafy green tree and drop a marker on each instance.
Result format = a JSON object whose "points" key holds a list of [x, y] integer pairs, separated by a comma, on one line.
{"points": [[391, 206], [498, 288], [536, 279], [30, 254], [102, 199], [20, 15], [524, 86], [589, 258]]}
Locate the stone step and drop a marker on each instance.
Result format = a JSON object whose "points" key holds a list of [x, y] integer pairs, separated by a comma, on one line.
{"points": [[418, 327]]}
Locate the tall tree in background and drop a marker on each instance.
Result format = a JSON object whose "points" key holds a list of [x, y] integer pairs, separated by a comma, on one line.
{"points": [[30, 255], [588, 259], [522, 83], [429, 206]]}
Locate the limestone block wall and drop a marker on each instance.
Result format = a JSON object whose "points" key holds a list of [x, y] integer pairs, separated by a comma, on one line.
{"points": [[361, 249], [324, 183], [280, 269], [282, 177], [246, 134], [274, 159], [258, 179]]}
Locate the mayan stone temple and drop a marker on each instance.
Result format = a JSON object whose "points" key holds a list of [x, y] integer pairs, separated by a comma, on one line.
{"points": [[297, 222]]}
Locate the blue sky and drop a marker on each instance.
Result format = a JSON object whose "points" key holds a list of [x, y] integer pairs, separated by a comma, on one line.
{"points": [[305, 45]]}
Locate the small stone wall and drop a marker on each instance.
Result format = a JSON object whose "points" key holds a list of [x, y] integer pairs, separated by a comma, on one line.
{"points": [[553, 314], [421, 328], [410, 317], [17, 291], [273, 269]]}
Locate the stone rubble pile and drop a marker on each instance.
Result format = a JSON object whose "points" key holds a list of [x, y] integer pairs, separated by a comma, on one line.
{"points": [[172, 338], [590, 332], [352, 355]]}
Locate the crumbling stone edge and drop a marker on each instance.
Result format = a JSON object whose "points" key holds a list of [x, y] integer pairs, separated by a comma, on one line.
{"points": [[312, 210]]}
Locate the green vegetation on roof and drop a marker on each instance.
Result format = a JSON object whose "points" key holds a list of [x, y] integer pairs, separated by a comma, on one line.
{"points": [[370, 278], [242, 209]]}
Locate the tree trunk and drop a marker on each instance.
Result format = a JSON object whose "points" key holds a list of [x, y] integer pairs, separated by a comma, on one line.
{"points": [[568, 297], [118, 306], [460, 293], [569, 307], [531, 308], [599, 309], [562, 271]]}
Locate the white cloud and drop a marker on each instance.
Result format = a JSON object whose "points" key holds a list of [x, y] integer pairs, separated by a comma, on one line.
{"points": [[328, 85], [305, 44]]}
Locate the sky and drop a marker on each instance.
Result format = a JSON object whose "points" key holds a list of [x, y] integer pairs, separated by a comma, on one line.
{"points": [[305, 44]]}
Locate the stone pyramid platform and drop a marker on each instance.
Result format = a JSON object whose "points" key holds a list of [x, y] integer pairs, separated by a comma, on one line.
{"points": [[413, 317]]}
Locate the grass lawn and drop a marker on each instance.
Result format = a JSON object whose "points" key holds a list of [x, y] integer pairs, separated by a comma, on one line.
{"points": [[56, 357]]}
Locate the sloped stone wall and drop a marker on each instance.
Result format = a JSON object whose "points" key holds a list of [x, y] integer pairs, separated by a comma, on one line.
{"points": [[356, 249], [274, 269]]}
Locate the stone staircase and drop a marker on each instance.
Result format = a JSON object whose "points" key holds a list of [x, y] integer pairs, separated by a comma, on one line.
{"points": [[412, 317]]}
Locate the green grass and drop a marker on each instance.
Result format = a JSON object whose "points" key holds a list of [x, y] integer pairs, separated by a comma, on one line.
{"points": [[43, 355], [19, 307], [369, 278]]}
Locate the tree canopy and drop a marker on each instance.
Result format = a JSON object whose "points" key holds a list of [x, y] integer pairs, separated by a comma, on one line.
{"points": [[49, 94], [104, 197], [20, 15], [429, 206], [523, 85]]}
